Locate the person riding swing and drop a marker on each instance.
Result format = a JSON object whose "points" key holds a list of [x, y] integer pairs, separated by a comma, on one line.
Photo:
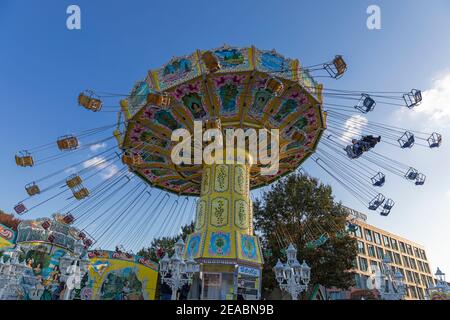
{"points": [[358, 147]]}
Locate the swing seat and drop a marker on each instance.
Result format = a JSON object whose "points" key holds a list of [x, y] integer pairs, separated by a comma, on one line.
{"points": [[322, 239], [365, 104], [336, 68], [275, 86], [420, 179], [32, 189], [435, 140], [406, 140], [378, 180], [160, 100], [87, 242], [87, 100], [20, 208], [411, 174], [81, 235], [51, 238], [389, 203], [24, 159], [413, 98], [69, 218], [46, 225], [387, 207], [81, 193], [73, 181], [376, 202], [132, 159], [67, 143], [211, 61], [351, 152]]}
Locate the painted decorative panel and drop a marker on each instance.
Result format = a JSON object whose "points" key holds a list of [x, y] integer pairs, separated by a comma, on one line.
{"points": [[249, 248], [201, 214], [240, 180], [219, 212], [220, 244], [193, 245], [241, 213], [221, 177]]}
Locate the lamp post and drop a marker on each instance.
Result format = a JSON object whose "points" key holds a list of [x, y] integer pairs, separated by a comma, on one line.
{"points": [[441, 286], [292, 276], [392, 285], [175, 271], [75, 267]]}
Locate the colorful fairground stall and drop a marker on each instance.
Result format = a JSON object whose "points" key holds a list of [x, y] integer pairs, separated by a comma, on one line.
{"points": [[116, 275], [49, 253], [7, 237]]}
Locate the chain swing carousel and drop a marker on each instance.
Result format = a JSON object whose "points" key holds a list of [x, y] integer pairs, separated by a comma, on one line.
{"points": [[224, 88]]}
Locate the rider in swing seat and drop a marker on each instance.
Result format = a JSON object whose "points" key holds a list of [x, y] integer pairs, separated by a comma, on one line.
{"points": [[357, 147]]}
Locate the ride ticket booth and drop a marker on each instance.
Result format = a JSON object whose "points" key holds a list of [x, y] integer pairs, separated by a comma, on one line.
{"points": [[249, 282], [227, 282]]}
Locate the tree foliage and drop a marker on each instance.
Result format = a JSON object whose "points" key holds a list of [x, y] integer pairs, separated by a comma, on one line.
{"points": [[9, 220], [299, 209], [165, 243]]}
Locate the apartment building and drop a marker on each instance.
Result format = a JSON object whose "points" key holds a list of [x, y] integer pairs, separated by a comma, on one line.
{"points": [[373, 243]]}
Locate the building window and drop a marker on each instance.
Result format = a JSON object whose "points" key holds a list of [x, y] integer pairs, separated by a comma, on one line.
{"points": [[386, 242], [361, 247], [364, 282], [424, 280], [377, 238], [371, 251], [409, 250], [412, 263], [416, 252], [402, 247], [394, 244], [357, 281], [368, 235], [389, 253], [358, 232], [413, 292], [420, 293], [406, 261], [397, 259], [416, 278], [409, 276], [420, 264], [380, 253], [426, 267], [423, 255], [362, 264]]}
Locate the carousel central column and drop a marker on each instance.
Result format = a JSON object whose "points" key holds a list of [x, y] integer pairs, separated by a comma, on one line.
{"points": [[223, 241]]}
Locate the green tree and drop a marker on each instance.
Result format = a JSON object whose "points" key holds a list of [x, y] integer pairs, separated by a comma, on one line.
{"points": [[165, 243], [9, 220], [299, 209]]}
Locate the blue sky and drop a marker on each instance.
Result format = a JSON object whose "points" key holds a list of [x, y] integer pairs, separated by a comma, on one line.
{"points": [[44, 66]]}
